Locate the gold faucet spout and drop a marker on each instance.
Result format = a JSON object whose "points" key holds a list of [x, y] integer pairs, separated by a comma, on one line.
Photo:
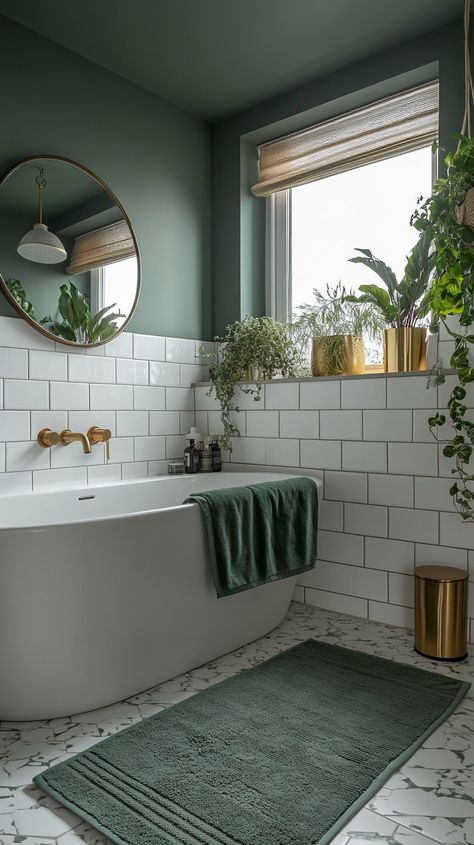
{"points": [[67, 436]]}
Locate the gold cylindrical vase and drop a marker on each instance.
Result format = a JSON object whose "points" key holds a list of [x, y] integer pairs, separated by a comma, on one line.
{"points": [[337, 355], [404, 350], [254, 373], [441, 612]]}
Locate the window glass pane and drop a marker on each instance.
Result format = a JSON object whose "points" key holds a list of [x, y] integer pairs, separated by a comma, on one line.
{"points": [[370, 208], [117, 288]]}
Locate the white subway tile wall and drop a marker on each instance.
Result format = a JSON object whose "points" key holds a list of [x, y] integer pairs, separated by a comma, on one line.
{"points": [[83, 367], [139, 386], [386, 505], [341, 425], [262, 423]]}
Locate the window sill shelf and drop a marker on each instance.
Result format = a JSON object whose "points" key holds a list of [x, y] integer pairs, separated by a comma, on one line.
{"points": [[365, 375]]}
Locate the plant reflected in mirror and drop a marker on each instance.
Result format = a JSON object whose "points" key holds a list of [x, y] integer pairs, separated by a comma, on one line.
{"points": [[78, 324], [19, 294]]}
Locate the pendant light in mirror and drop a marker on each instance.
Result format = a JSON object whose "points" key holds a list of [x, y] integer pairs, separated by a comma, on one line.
{"points": [[39, 244]]}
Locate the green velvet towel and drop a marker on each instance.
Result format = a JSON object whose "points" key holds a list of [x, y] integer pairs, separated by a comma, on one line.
{"points": [[260, 532]]}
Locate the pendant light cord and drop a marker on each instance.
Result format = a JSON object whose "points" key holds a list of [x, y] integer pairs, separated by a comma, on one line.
{"points": [[41, 182], [40, 203], [468, 83]]}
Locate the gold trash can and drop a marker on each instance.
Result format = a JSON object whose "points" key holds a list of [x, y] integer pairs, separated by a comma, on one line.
{"points": [[441, 612]]}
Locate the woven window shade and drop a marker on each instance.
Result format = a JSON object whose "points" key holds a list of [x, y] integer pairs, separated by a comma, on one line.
{"points": [[407, 121], [100, 247]]}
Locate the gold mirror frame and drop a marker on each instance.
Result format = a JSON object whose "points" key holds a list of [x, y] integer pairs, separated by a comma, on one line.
{"points": [[12, 300]]}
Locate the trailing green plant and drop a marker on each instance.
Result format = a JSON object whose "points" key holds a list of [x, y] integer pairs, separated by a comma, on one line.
{"points": [[333, 313], [255, 347], [19, 295], [453, 294], [403, 303], [78, 323]]}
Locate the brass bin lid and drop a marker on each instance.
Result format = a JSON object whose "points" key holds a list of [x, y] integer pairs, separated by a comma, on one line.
{"points": [[441, 574]]}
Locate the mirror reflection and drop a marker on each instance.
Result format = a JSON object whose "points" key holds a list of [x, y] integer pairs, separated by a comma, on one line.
{"points": [[68, 255]]}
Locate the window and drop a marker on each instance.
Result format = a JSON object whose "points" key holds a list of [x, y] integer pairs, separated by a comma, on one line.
{"points": [[110, 285], [350, 183], [369, 208]]}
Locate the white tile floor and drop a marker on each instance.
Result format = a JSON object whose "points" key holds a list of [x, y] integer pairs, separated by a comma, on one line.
{"points": [[429, 800]]}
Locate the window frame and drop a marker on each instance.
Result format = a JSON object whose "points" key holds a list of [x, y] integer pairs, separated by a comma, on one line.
{"points": [[97, 289]]}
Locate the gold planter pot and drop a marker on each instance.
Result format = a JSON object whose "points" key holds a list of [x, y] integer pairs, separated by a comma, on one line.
{"points": [[338, 355], [254, 373], [404, 350]]}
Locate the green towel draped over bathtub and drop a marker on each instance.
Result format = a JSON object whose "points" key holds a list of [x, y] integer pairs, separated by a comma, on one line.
{"points": [[260, 532]]}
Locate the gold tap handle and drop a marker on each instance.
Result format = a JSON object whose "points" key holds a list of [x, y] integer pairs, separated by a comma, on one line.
{"points": [[107, 434], [101, 435], [47, 438]]}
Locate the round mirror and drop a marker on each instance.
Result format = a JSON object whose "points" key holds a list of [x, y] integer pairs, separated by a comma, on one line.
{"points": [[69, 257]]}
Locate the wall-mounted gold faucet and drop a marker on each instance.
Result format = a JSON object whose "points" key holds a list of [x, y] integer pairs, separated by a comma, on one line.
{"points": [[67, 436], [47, 438], [100, 435]]}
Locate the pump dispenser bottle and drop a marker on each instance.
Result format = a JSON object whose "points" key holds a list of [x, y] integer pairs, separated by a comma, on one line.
{"points": [[195, 435], [191, 457]]}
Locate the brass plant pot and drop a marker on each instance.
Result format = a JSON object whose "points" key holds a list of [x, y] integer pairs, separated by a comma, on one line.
{"points": [[338, 355], [404, 350], [254, 373]]}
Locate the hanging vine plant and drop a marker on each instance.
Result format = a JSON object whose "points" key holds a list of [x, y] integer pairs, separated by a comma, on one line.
{"points": [[445, 217], [254, 349]]}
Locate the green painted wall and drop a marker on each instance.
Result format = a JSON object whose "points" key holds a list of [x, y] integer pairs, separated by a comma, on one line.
{"points": [[154, 157], [157, 160], [239, 218]]}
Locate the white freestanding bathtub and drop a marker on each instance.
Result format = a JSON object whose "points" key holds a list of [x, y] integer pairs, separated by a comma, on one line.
{"points": [[106, 591]]}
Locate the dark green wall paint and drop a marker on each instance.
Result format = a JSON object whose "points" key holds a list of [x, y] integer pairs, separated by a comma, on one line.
{"points": [[239, 218], [157, 160], [154, 157]]}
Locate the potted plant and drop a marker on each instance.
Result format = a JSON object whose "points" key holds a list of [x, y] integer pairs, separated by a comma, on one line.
{"points": [[334, 326], [255, 347], [443, 219], [404, 304]]}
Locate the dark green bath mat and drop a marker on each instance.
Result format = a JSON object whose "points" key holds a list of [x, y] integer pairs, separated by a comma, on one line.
{"points": [[282, 754]]}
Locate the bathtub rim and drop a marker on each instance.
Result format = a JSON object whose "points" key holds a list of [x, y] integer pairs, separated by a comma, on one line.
{"points": [[132, 514]]}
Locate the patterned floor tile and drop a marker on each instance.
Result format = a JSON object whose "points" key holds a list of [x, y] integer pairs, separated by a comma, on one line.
{"points": [[430, 800]]}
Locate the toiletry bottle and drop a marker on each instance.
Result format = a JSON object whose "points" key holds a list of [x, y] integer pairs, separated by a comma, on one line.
{"points": [[191, 457], [216, 455], [195, 435], [196, 460], [205, 464]]}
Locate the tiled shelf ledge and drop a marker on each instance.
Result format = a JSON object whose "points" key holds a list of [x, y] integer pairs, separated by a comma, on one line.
{"points": [[411, 373]]}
